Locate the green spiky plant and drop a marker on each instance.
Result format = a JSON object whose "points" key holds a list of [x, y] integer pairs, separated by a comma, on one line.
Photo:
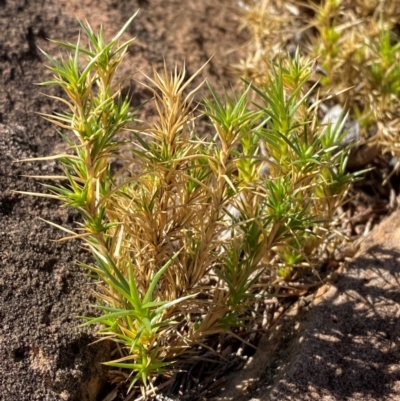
{"points": [[356, 44], [182, 236]]}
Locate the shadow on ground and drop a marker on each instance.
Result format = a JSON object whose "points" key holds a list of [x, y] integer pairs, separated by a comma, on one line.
{"points": [[344, 345]]}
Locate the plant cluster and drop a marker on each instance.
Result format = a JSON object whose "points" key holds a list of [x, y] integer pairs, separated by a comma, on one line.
{"points": [[192, 228], [355, 42]]}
